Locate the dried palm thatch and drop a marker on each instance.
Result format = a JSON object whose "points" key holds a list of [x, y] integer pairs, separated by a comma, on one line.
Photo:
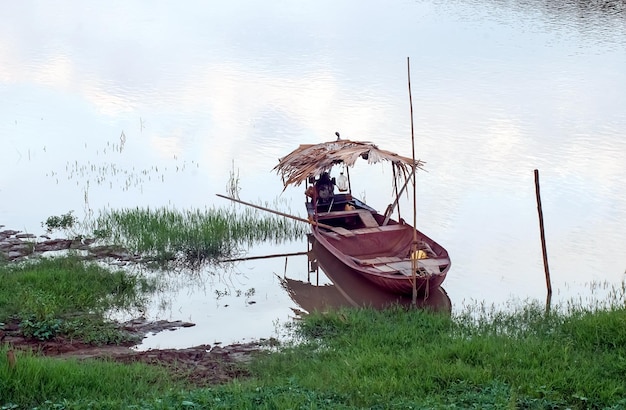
{"points": [[314, 159]]}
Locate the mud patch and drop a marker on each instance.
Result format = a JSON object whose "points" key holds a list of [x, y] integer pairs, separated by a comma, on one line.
{"points": [[201, 366], [15, 245]]}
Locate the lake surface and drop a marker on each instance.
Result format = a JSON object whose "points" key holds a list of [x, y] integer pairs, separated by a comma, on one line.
{"points": [[150, 104]]}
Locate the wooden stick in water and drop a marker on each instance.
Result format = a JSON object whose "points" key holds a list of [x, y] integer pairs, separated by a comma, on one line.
{"points": [[543, 235], [249, 258], [414, 246]]}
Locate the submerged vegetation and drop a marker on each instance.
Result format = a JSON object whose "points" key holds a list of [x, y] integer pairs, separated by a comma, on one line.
{"points": [[191, 236], [197, 235]]}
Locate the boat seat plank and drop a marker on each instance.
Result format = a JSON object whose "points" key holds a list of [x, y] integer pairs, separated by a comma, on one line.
{"points": [[365, 215], [343, 231], [379, 260], [432, 261], [368, 219], [394, 227], [366, 230], [385, 268], [394, 259]]}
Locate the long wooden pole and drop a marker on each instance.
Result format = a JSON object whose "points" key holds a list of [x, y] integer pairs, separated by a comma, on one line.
{"points": [[398, 193], [543, 235], [414, 246], [297, 218], [250, 258]]}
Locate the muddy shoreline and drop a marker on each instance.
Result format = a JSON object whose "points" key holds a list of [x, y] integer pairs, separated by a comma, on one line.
{"points": [[16, 245], [203, 365]]}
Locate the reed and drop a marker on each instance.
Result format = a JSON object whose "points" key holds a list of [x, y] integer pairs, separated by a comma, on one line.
{"points": [[202, 235]]}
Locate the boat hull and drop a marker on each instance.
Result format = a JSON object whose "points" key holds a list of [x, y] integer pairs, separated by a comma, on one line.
{"points": [[349, 289], [382, 255]]}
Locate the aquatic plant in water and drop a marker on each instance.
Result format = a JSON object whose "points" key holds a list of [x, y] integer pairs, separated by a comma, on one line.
{"points": [[193, 235]]}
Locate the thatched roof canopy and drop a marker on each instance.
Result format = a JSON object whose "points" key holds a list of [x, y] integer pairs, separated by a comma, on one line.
{"points": [[315, 159]]}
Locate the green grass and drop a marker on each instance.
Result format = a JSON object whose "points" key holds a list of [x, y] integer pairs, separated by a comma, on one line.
{"points": [[70, 383], [349, 359], [525, 359], [193, 235], [64, 295]]}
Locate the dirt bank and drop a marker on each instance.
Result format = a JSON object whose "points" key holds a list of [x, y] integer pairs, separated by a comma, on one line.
{"points": [[202, 365]]}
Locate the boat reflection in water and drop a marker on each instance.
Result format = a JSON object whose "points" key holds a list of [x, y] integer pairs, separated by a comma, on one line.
{"points": [[349, 289]]}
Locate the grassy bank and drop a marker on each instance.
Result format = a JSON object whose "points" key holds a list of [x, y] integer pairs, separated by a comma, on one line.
{"points": [[525, 359], [66, 296], [43, 382], [397, 359]]}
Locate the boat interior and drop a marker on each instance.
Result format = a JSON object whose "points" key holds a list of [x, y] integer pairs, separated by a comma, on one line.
{"points": [[377, 243]]}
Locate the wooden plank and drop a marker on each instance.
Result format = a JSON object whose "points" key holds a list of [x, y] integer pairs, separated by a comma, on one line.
{"points": [[342, 231], [394, 227], [389, 259], [385, 268], [381, 260], [339, 214], [364, 214], [361, 231], [368, 219], [394, 259], [429, 262]]}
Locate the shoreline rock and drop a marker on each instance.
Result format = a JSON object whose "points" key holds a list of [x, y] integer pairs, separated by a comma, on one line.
{"points": [[15, 245]]}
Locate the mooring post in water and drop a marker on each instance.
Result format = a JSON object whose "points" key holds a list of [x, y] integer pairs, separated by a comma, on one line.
{"points": [[414, 169], [543, 235]]}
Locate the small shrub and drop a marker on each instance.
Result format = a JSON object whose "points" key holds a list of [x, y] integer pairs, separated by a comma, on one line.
{"points": [[41, 329], [65, 222], [97, 332]]}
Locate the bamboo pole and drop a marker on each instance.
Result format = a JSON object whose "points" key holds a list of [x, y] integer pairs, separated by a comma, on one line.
{"points": [[297, 218], [543, 235], [414, 245], [250, 258], [398, 193], [395, 203]]}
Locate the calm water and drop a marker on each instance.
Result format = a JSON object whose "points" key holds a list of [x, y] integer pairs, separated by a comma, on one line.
{"points": [[154, 104]]}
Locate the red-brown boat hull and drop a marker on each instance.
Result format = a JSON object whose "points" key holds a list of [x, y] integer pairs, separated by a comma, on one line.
{"points": [[382, 255], [349, 289]]}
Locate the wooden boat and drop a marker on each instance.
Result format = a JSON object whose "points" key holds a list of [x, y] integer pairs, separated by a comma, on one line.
{"points": [[348, 289], [388, 252]]}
